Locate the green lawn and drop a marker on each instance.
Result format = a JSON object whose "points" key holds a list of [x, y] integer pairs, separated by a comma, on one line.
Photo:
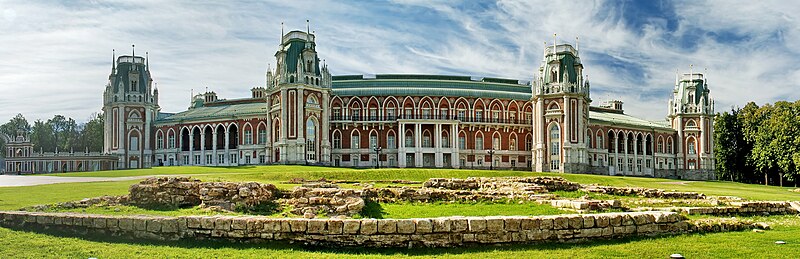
{"points": [[14, 243], [746, 244]]}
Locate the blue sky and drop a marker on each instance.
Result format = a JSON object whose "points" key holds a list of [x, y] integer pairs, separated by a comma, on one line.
{"points": [[55, 57]]}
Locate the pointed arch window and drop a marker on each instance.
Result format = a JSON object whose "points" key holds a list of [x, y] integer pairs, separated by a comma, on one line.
{"points": [[311, 140], [355, 140]]}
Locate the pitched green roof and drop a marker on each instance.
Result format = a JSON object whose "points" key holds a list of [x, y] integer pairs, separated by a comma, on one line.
{"points": [[426, 85], [217, 112], [624, 120]]}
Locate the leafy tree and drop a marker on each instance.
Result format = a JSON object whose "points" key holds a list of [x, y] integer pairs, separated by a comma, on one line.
{"points": [[43, 137], [91, 134], [731, 150], [11, 128]]}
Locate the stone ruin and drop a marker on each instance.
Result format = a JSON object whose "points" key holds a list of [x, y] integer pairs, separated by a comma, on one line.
{"points": [[309, 200], [165, 192], [642, 192], [474, 189], [229, 195], [180, 192]]}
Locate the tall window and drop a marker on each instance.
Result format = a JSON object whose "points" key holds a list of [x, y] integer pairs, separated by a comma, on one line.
{"points": [[373, 114], [462, 142], [390, 113], [355, 140], [495, 116], [692, 149], [390, 141], [356, 112], [600, 143], [160, 141], [134, 143], [479, 143], [479, 115], [337, 140], [496, 142], [512, 144], [529, 143], [426, 139], [262, 136], [660, 147], [462, 114], [409, 139], [171, 141], [248, 137], [134, 86], [311, 143], [373, 140], [555, 147], [445, 141], [337, 114], [669, 146]]}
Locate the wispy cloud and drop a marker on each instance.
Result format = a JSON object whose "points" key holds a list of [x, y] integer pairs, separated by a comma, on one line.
{"points": [[55, 57]]}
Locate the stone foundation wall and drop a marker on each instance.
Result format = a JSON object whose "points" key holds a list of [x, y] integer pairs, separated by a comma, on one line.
{"points": [[329, 201], [431, 232], [642, 192], [509, 184], [175, 192]]}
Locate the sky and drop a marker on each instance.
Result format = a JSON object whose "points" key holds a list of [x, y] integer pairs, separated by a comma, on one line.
{"points": [[55, 57]]}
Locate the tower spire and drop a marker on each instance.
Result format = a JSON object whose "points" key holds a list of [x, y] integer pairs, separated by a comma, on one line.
{"points": [[147, 60], [133, 60], [577, 45], [308, 27], [113, 61], [554, 43]]}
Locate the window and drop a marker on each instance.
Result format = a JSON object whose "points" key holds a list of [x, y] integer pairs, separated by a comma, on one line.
{"points": [[529, 143], [555, 147], [462, 114], [373, 114], [262, 136], [356, 114], [390, 113], [426, 113], [600, 143], [692, 165], [409, 139], [426, 139], [337, 140], [638, 165], [209, 159], [462, 142], [171, 141], [630, 164], [262, 159], [445, 141], [512, 144], [692, 149], [134, 143], [134, 86], [660, 147], [669, 146], [311, 140], [390, 139], [495, 116], [337, 114], [354, 140], [221, 158], [160, 141], [479, 143], [479, 115], [247, 159], [373, 140], [197, 160], [234, 159], [185, 160], [496, 142], [444, 114], [248, 137]]}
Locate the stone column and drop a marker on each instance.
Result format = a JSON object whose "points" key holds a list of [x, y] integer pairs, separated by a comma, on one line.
{"points": [[268, 145], [325, 128], [284, 124], [455, 151], [191, 146], [214, 150], [401, 145], [227, 146], [300, 149], [635, 154], [438, 160], [625, 160], [566, 145], [418, 145]]}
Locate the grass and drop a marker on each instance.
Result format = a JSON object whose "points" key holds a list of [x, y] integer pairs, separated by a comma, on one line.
{"points": [[24, 244], [16, 243]]}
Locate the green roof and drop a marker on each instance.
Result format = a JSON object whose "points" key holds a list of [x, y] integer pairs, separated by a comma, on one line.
{"points": [[624, 120], [430, 86], [294, 53], [217, 112]]}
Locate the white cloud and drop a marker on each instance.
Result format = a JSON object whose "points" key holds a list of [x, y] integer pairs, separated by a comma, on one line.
{"points": [[55, 57]]}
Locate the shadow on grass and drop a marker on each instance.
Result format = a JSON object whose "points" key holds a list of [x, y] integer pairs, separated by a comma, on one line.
{"points": [[372, 210], [359, 251]]}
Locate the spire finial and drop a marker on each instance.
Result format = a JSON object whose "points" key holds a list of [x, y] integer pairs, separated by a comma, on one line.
{"points": [[308, 26], [147, 60], [281, 29], [133, 49], [113, 61], [554, 43], [577, 44]]}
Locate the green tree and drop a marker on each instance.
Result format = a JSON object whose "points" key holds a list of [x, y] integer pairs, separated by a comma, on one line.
{"points": [[782, 129], [753, 119], [42, 136], [91, 134], [730, 149]]}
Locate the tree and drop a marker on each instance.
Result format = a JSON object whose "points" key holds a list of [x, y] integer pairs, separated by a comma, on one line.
{"points": [[753, 121], [728, 148], [91, 134], [43, 137]]}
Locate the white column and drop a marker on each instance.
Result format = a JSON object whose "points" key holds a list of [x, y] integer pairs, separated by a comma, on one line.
{"points": [[401, 145], [214, 150], [438, 160], [203, 146], [455, 152], [325, 126], [418, 145], [635, 154], [268, 145], [566, 145], [284, 123], [626, 153], [191, 146], [227, 146], [300, 151]]}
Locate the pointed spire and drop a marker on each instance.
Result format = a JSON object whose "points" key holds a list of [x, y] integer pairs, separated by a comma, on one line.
{"points": [[133, 62], [281, 38], [554, 43], [544, 53], [577, 45], [113, 61], [308, 28], [147, 60]]}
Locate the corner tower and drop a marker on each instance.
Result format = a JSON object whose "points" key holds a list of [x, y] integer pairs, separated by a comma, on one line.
{"points": [[298, 93], [561, 112], [691, 113], [130, 106]]}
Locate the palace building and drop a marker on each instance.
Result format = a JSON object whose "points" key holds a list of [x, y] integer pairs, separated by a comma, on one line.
{"points": [[304, 115]]}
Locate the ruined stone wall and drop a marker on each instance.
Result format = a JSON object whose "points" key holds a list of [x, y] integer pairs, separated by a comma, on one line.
{"points": [[175, 192], [642, 192], [329, 201], [432, 232]]}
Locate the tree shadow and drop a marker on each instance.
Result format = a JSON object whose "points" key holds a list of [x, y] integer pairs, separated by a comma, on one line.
{"points": [[372, 210]]}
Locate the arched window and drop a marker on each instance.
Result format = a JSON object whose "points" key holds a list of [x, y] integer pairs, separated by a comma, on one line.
{"points": [[337, 139], [311, 140], [445, 140], [390, 140], [355, 140], [512, 143], [555, 147], [670, 145], [373, 139], [409, 138], [159, 140], [692, 148], [496, 142], [529, 142], [600, 144], [171, 139], [462, 141], [248, 135], [479, 141], [426, 139], [312, 100], [660, 145], [589, 143]]}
